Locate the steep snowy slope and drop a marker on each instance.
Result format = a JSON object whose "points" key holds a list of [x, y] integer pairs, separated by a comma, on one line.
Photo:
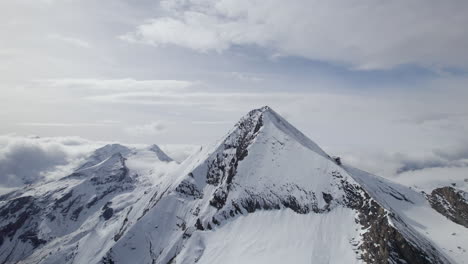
{"points": [[264, 193], [411, 208], [75, 218]]}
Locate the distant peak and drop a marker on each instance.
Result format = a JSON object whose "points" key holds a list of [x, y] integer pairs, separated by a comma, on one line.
{"points": [[160, 154], [103, 153], [111, 149]]}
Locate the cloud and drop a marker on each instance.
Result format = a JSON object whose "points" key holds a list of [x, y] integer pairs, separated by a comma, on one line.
{"points": [[40, 124], [31, 159], [220, 100], [246, 77], [219, 122], [431, 178], [393, 164], [152, 128], [436, 159], [26, 160], [126, 84], [69, 40], [365, 34], [193, 34], [179, 152]]}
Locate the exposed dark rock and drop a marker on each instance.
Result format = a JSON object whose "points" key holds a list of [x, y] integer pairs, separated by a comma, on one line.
{"points": [[15, 205], [327, 197], [14, 215], [292, 203], [337, 160], [199, 225], [92, 202], [58, 202], [76, 213], [32, 236], [189, 189], [107, 259], [219, 198], [181, 223], [118, 176], [450, 202], [108, 212], [224, 166], [123, 227], [382, 243], [65, 210], [216, 222]]}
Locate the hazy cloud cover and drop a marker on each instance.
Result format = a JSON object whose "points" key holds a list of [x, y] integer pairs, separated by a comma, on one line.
{"points": [[26, 160], [69, 40], [364, 34], [31, 159], [147, 129]]}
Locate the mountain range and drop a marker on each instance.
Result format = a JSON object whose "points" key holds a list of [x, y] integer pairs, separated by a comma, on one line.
{"points": [[264, 193]]}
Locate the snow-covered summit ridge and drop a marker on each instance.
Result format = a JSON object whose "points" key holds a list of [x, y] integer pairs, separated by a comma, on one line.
{"points": [[266, 116], [103, 153], [106, 152]]}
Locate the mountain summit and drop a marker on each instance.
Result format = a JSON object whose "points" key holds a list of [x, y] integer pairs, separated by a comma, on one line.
{"points": [[264, 193]]}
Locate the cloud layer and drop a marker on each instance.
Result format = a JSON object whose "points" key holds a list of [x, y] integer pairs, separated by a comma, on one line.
{"points": [[149, 129], [26, 160], [365, 34]]}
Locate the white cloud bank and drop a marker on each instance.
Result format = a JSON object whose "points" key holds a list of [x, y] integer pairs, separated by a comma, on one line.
{"points": [[25, 160], [365, 34], [124, 84], [28, 160]]}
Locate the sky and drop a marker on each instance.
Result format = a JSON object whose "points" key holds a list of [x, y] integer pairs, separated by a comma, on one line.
{"points": [[384, 84]]}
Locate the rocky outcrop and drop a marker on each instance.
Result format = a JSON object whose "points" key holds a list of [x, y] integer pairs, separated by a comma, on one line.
{"points": [[451, 203], [382, 243]]}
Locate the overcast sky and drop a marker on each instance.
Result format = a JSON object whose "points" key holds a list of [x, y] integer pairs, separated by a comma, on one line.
{"points": [[382, 83]]}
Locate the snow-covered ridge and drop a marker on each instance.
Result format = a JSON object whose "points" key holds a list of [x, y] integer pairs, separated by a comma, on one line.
{"points": [[159, 153], [287, 128], [263, 194], [103, 153]]}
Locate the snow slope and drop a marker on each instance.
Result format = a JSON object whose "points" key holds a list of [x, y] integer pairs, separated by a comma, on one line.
{"points": [[414, 209], [74, 219], [264, 193]]}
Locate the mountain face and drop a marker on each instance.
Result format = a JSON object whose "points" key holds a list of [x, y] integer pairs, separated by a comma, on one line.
{"points": [[452, 203], [264, 193]]}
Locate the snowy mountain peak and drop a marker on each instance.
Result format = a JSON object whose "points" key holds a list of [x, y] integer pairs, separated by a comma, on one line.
{"points": [[162, 156], [103, 153], [271, 124], [263, 194], [110, 149]]}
